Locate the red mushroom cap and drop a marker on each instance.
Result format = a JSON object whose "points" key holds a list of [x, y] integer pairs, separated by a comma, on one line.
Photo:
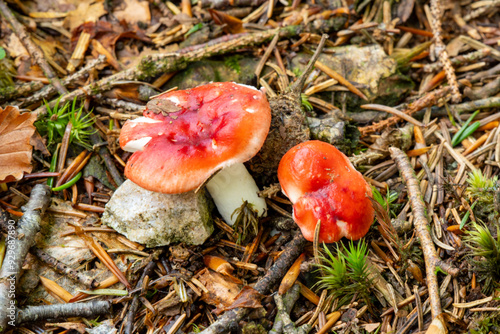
{"points": [[190, 134], [323, 185]]}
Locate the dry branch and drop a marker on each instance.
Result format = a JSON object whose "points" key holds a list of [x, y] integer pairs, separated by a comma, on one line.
{"points": [[432, 261], [17, 248], [63, 269], [61, 311], [441, 50]]}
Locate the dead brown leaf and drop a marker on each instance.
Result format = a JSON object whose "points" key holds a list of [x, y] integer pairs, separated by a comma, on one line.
{"points": [[135, 11], [231, 24], [222, 291], [15, 151], [248, 297], [87, 11], [108, 34]]}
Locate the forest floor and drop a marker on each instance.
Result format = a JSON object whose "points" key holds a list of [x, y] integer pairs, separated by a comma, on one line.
{"points": [[407, 90]]}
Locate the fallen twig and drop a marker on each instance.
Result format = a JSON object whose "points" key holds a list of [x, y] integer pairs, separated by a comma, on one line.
{"points": [[64, 269], [425, 101], [441, 50], [129, 319], [61, 311], [17, 248], [432, 261]]}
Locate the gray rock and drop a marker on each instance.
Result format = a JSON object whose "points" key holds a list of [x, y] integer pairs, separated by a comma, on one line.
{"points": [[156, 219]]}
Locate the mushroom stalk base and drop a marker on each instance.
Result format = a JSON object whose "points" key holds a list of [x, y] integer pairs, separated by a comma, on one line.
{"points": [[230, 188]]}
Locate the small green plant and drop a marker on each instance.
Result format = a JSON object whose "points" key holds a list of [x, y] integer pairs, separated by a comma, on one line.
{"points": [[485, 246], [246, 223], [197, 329], [386, 202], [482, 190], [54, 123], [233, 62], [304, 100], [485, 324], [346, 273], [466, 130], [7, 70]]}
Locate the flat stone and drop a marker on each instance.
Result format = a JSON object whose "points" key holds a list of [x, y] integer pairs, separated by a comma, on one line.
{"points": [[155, 219]]}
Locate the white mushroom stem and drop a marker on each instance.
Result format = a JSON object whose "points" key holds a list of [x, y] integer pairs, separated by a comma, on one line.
{"points": [[231, 187]]}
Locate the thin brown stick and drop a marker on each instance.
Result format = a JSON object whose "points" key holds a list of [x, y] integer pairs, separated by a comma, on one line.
{"points": [[64, 269], [129, 320], [432, 261], [441, 50], [31, 47], [393, 111]]}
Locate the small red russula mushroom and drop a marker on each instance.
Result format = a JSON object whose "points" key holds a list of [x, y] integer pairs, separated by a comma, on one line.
{"points": [[323, 185], [186, 136]]}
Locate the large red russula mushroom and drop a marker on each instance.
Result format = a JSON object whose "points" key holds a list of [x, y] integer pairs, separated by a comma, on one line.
{"points": [[186, 136], [323, 186]]}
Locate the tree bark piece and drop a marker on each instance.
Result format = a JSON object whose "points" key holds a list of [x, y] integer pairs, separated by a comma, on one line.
{"points": [[17, 248], [432, 261], [231, 318], [31, 47], [61, 311]]}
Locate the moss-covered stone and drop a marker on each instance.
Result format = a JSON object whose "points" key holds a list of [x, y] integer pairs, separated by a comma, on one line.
{"points": [[231, 68], [156, 219]]}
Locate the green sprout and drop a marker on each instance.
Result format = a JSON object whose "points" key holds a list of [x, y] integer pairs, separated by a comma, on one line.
{"points": [[346, 273], [54, 123], [487, 248], [482, 190], [246, 222], [466, 130], [304, 100], [388, 201], [7, 70]]}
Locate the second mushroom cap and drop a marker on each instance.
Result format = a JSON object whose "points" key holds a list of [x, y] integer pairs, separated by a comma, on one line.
{"points": [[323, 186]]}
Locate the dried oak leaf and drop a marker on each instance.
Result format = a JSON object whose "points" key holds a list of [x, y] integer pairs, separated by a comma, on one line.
{"points": [[15, 150], [222, 291], [248, 297], [108, 34]]}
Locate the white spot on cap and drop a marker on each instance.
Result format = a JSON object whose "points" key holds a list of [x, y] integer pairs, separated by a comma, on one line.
{"points": [[143, 120], [250, 110], [344, 231], [174, 99], [136, 145], [247, 86], [214, 144]]}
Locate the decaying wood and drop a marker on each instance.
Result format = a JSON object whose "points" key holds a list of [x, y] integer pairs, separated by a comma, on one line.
{"points": [[17, 248]]}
